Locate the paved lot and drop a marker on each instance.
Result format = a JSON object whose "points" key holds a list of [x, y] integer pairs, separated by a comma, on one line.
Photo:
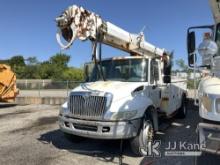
{"points": [[30, 135]]}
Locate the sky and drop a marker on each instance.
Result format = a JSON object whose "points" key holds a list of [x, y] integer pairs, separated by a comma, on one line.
{"points": [[28, 28]]}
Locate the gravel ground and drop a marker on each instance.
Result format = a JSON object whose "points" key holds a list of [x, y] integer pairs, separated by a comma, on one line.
{"points": [[30, 135]]}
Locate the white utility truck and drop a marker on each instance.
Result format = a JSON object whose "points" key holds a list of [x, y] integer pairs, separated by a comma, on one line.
{"points": [[208, 95], [122, 97]]}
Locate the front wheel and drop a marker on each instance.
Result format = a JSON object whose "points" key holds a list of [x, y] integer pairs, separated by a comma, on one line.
{"points": [[144, 139]]}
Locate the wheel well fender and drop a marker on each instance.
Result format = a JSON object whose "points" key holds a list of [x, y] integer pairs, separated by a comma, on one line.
{"points": [[152, 114]]}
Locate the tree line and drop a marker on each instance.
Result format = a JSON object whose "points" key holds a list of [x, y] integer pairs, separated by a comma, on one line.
{"points": [[55, 68]]}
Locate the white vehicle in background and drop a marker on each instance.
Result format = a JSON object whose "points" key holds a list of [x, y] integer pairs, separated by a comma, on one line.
{"points": [[122, 96], [209, 86]]}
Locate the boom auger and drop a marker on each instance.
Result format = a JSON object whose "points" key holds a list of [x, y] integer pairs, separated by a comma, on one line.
{"points": [[77, 22]]}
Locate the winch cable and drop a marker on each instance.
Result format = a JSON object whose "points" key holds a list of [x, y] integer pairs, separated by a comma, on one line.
{"points": [[100, 61]]}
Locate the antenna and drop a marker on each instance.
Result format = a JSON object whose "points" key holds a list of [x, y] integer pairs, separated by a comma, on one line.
{"points": [[143, 28]]}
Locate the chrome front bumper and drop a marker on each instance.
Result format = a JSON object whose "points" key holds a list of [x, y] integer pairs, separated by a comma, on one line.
{"points": [[209, 137], [100, 129]]}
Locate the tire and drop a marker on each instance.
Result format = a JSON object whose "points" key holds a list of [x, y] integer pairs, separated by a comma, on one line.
{"points": [[182, 111], [73, 138], [144, 137]]}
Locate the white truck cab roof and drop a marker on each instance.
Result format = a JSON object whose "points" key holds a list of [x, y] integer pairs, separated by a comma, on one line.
{"points": [[125, 58]]}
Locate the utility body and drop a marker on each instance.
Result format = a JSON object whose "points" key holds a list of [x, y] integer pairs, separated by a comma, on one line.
{"points": [[122, 97]]}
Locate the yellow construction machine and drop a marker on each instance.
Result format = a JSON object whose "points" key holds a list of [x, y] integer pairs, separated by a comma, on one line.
{"points": [[8, 90]]}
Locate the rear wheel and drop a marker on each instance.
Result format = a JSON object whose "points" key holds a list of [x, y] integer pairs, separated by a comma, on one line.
{"points": [[144, 139]]}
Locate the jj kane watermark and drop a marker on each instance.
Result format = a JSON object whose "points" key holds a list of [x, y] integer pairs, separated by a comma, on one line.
{"points": [[176, 148]]}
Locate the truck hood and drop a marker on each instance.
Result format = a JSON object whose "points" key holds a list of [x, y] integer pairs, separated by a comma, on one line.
{"points": [[117, 88], [210, 85]]}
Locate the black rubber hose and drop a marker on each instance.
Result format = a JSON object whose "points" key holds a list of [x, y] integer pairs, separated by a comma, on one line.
{"points": [[100, 70], [100, 61]]}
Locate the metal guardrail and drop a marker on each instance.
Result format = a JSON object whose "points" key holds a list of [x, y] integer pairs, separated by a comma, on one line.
{"points": [[41, 88], [49, 88]]}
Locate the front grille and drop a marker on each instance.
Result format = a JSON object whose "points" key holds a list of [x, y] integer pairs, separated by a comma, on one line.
{"points": [[217, 104], [87, 106]]}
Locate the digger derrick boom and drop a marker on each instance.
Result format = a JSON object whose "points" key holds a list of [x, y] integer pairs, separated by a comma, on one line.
{"points": [[215, 6], [77, 22]]}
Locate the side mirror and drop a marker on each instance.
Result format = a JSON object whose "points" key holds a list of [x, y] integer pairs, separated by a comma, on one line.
{"points": [[191, 42], [167, 66], [191, 60], [191, 47], [166, 79], [167, 72]]}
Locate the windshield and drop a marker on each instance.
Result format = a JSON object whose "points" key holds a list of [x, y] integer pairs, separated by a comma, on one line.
{"points": [[129, 70]]}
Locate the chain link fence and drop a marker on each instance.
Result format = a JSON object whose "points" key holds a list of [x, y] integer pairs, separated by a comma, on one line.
{"points": [[45, 88]]}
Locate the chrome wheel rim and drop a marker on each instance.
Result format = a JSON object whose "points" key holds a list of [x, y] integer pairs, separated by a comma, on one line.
{"points": [[147, 134]]}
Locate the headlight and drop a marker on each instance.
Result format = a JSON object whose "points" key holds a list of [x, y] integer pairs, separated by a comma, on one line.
{"points": [[109, 98], [64, 109], [206, 102], [123, 115]]}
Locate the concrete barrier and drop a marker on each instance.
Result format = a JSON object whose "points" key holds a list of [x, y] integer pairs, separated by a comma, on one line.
{"points": [[40, 100], [53, 97]]}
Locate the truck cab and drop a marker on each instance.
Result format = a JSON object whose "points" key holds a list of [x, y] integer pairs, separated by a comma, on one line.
{"points": [[112, 106], [208, 94], [117, 102], [134, 73]]}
